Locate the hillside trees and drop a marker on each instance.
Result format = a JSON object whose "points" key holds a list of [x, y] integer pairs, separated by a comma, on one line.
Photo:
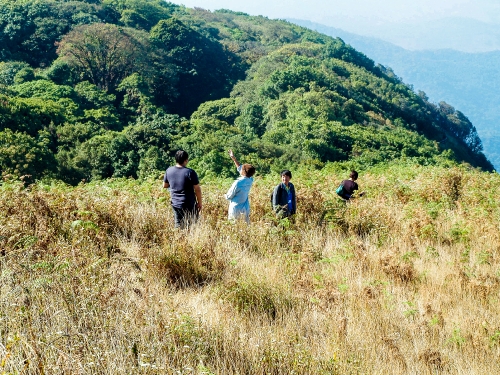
{"points": [[30, 115], [9, 70], [141, 14], [104, 54], [133, 80], [107, 155], [206, 70], [31, 28], [24, 155], [87, 151], [298, 89], [460, 126]]}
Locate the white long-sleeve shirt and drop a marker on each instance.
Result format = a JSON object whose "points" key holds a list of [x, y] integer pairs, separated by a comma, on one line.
{"points": [[239, 204]]}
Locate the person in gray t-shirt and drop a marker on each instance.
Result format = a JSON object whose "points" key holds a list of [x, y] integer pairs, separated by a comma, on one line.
{"points": [[185, 191]]}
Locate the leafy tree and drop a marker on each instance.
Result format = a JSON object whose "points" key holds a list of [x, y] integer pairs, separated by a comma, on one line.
{"points": [[152, 161], [31, 27], [24, 75], [105, 118], [137, 96], [43, 89], [251, 120], [222, 109], [61, 73], [337, 49], [97, 107], [153, 130], [107, 155], [31, 115], [142, 14], [460, 126], [90, 96], [21, 154], [124, 158], [9, 69], [103, 53], [206, 70], [71, 135]]}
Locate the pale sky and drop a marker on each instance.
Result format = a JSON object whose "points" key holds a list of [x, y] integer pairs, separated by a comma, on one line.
{"points": [[359, 15], [377, 10]]}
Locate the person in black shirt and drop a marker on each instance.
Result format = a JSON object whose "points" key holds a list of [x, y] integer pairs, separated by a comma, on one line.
{"points": [[185, 191], [350, 186]]}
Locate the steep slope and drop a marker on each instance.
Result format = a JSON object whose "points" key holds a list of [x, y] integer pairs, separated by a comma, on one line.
{"points": [[468, 81]]}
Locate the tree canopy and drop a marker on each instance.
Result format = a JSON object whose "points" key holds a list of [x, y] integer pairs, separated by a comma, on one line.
{"points": [[101, 88]]}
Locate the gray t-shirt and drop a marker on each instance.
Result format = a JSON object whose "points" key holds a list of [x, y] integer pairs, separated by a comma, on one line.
{"points": [[181, 182]]}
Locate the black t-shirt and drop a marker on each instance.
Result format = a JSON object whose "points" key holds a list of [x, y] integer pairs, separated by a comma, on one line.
{"points": [[350, 186], [181, 182]]}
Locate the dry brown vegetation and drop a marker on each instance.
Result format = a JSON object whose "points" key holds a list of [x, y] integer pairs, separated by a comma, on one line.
{"points": [[95, 280]]}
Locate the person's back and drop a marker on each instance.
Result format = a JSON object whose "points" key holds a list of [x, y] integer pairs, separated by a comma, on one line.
{"points": [[185, 191], [239, 204], [349, 187], [182, 181], [238, 193]]}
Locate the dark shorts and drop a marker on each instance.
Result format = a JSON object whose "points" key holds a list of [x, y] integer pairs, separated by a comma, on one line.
{"points": [[184, 217]]}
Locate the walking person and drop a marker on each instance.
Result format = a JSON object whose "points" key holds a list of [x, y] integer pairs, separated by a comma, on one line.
{"points": [[348, 187], [284, 200], [239, 204], [185, 191]]}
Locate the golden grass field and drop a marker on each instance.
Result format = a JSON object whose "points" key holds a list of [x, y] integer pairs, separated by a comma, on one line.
{"points": [[94, 279]]}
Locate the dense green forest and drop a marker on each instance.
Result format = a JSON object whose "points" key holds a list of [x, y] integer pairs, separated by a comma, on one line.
{"points": [[468, 81], [111, 88]]}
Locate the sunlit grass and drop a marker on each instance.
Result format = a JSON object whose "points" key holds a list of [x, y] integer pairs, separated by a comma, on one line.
{"points": [[95, 279]]}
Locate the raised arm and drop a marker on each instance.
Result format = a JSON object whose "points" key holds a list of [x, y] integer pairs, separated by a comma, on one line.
{"points": [[233, 158]]}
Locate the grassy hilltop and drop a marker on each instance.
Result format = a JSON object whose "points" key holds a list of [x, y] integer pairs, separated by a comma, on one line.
{"points": [[96, 95], [94, 279]]}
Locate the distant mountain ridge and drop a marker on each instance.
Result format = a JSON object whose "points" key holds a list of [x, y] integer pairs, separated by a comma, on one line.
{"points": [[468, 81], [459, 33]]}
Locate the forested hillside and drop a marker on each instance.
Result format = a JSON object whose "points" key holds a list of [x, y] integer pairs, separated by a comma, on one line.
{"points": [[468, 81], [96, 89]]}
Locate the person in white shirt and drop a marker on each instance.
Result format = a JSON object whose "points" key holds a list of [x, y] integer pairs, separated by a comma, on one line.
{"points": [[239, 204]]}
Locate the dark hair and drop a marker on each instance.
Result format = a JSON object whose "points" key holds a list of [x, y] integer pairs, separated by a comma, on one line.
{"points": [[181, 156], [286, 172], [248, 170], [354, 175]]}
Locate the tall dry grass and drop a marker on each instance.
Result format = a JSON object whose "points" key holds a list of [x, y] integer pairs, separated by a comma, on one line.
{"points": [[95, 279]]}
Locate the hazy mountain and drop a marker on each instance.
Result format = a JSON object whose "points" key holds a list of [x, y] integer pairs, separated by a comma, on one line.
{"points": [[468, 81], [459, 33]]}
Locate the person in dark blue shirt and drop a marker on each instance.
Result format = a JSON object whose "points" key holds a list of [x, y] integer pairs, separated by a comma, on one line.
{"points": [[284, 199], [185, 191], [350, 186]]}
